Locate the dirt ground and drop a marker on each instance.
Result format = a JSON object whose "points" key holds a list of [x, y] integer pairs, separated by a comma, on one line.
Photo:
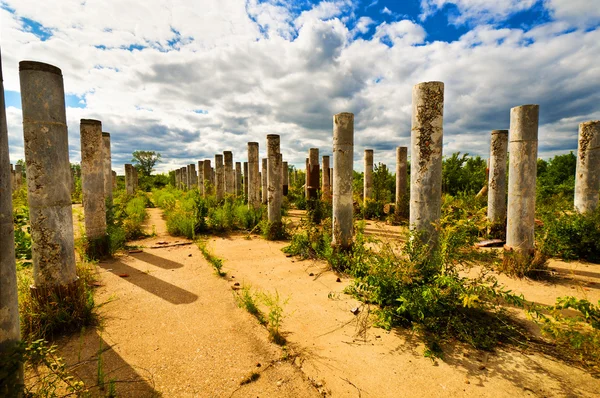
{"points": [[171, 326]]}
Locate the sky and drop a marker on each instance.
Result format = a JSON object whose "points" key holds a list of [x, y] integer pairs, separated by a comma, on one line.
{"points": [[191, 78]]}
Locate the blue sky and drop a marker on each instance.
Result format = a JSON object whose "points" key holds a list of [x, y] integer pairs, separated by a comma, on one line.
{"points": [[195, 78]]}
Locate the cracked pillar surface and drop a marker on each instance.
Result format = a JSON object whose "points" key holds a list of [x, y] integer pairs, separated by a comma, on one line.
{"points": [[587, 176], [343, 159]]}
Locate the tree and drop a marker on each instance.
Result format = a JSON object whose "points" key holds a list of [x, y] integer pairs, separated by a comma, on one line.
{"points": [[145, 161]]}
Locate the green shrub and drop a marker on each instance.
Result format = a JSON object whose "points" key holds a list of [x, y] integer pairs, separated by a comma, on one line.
{"points": [[571, 235]]}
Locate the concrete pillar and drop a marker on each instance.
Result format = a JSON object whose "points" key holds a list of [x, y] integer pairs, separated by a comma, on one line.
{"points": [[113, 179], [246, 181], [229, 176], [184, 178], [253, 176], [192, 177], [135, 178], [331, 177], [19, 175], [9, 306], [200, 179], [314, 174], [207, 177], [48, 170], [92, 187], [238, 179], [426, 158], [326, 195], [587, 177], [274, 180], [264, 175], [401, 177], [523, 148], [219, 177], [496, 212], [108, 192], [306, 173], [129, 184], [285, 175], [177, 178], [368, 179], [343, 159]]}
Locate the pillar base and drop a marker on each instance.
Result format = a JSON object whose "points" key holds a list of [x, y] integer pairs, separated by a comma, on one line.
{"points": [[48, 293], [521, 263], [98, 248], [497, 230]]}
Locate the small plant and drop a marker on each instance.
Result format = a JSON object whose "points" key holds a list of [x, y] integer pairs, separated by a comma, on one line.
{"points": [[247, 300], [274, 316], [216, 262], [518, 264]]}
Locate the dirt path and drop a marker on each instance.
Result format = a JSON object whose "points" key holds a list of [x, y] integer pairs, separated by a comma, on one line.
{"points": [[170, 325]]}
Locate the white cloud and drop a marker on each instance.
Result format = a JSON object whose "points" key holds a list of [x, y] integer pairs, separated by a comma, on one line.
{"points": [[386, 10], [576, 12], [264, 68], [479, 11]]}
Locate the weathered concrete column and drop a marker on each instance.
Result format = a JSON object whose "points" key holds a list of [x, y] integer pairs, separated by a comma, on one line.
{"points": [[192, 177], [314, 174], [229, 176], [253, 176], [184, 178], [331, 177], [92, 187], [326, 195], [177, 178], [219, 177], [343, 159], [368, 178], [135, 178], [238, 179], [207, 177], [108, 193], [200, 179], [129, 184], [587, 177], [18, 175], [285, 176], [306, 173], [401, 178], [246, 181], [264, 184], [48, 170], [426, 158], [523, 148], [274, 181], [9, 307], [496, 212], [113, 179]]}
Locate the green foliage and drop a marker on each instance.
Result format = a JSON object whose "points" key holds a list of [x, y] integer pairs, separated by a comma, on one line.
{"points": [[577, 329], [145, 161], [129, 213], [463, 174], [384, 184], [147, 183], [372, 210], [246, 299], [274, 316], [570, 235], [22, 231], [556, 178]]}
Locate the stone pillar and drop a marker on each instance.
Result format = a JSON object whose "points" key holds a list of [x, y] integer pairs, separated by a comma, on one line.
{"points": [[343, 159], [229, 176], [401, 178], [108, 193], [113, 179], [207, 177], [587, 177], [192, 177], [274, 180], [135, 178], [18, 175], [253, 176], [331, 177], [314, 174], [92, 187], [368, 179], [238, 179], [496, 212], [184, 178], [285, 175], [523, 148], [219, 176], [246, 181], [326, 195], [129, 184], [177, 178], [426, 158], [264, 174], [306, 173], [200, 179], [9, 307], [48, 170]]}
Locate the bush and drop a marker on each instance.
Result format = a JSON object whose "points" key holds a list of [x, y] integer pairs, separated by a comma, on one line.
{"points": [[571, 235]]}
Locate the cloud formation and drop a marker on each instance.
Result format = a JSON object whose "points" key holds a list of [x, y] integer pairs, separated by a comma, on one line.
{"points": [[191, 79]]}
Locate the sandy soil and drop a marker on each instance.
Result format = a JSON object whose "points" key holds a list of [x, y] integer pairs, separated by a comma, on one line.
{"points": [[173, 327]]}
